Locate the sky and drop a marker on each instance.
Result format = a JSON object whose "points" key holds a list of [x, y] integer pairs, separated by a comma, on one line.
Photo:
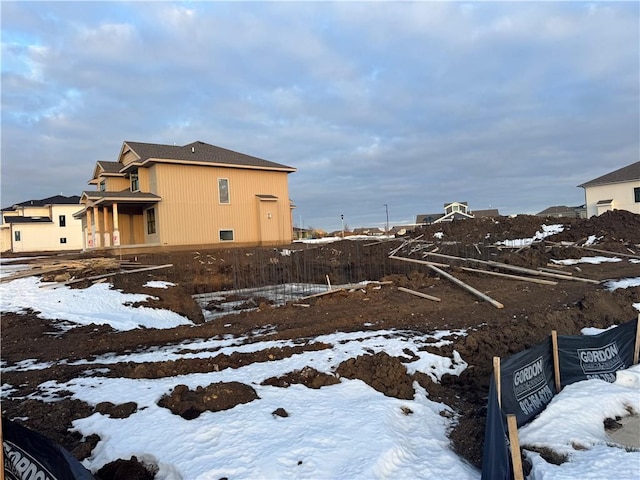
{"points": [[384, 108], [328, 431]]}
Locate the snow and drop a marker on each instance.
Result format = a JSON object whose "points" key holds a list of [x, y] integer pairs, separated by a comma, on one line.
{"points": [[342, 431], [546, 231], [158, 284], [98, 304], [590, 260]]}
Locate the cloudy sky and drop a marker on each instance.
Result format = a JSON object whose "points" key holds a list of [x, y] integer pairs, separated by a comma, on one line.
{"points": [[506, 105]]}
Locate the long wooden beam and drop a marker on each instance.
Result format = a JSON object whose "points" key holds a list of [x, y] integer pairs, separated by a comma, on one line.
{"points": [[468, 288], [506, 266], [507, 275], [422, 262], [419, 294]]}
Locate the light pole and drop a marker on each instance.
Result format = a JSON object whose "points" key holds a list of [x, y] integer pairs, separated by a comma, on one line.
{"points": [[386, 230], [342, 219]]}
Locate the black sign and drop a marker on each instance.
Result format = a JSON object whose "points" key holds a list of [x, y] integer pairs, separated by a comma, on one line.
{"points": [[527, 382], [29, 455], [583, 357]]}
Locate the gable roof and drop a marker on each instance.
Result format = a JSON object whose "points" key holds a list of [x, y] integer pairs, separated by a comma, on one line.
{"points": [[55, 200], [198, 153], [624, 174]]}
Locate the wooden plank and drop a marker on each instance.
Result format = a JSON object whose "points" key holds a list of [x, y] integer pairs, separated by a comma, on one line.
{"points": [[507, 275], [555, 270], [321, 294], [496, 379], [556, 360], [30, 273], [468, 288], [419, 294], [514, 442], [514, 268], [421, 262], [106, 275], [636, 350], [598, 250], [540, 273]]}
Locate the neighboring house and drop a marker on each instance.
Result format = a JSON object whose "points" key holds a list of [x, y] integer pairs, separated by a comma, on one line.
{"points": [[186, 196], [454, 211], [617, 190], [369, 231], [45, 225], [562, 211]]}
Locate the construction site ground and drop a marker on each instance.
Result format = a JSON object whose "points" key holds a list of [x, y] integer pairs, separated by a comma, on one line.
{"points": [[530, 311]]}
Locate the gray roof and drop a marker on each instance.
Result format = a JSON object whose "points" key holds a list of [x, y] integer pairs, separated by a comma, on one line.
{"points": [[624, 174], [490, 212], [556, 209], [129, 195], [21, 219], [109, 167], [55, 200], [201, 152], [424, 217]]}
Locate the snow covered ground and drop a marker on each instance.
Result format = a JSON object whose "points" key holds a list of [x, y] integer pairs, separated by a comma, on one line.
{"points": [[343, 431]]}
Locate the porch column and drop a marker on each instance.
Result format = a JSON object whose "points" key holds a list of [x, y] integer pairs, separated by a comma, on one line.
{"points": [[91, 230], [116, 232], [105, 218], [96, 215]]}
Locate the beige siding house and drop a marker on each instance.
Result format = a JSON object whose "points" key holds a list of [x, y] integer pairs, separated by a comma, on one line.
{"points": [[196, 195], [45, 225], [617, 190]]}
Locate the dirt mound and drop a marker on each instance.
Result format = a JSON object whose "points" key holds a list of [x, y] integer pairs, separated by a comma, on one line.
{"points": [[612, 226], [189, 404], [381, 371], [309, 377], [131, 469]]}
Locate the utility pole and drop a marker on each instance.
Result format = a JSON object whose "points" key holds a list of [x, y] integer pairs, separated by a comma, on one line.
{"points": [[342, 218], [386, 230]]}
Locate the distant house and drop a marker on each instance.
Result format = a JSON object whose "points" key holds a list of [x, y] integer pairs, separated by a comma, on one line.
{"points": [[454, 211], [195, 195], [562, 211], [45, 225], [369, 231], [617, 190]]}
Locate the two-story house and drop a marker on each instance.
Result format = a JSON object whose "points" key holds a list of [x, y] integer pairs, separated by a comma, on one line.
{"points": [[197, 195], [44, 225], [617, 190]]}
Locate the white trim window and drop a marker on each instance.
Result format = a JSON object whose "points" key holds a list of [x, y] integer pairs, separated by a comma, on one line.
{"points": [[223, 191], [225, 235], [135, 181]]}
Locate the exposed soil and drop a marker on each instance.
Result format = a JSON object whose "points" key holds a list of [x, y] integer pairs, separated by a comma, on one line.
{"points": [[531, 311]]}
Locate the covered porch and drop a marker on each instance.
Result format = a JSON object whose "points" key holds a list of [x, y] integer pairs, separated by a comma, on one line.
{"points": [[116, 219]]}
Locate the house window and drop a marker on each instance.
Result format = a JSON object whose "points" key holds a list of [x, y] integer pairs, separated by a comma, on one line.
{"points": [[151, 221], [63, 239], [135, 182], [226, 235], [16, 235], [223, 190], [103, 185], [62, 220], [636, 194]]}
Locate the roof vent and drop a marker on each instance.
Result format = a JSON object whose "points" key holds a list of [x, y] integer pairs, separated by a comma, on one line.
{"points": [[193, 149]]}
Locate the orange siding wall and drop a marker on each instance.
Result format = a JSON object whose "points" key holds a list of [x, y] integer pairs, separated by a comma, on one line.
{"points": [[116, 184], [190, 212]]}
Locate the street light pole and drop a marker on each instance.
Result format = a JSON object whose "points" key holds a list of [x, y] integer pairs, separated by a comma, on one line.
{"points": [[342, 218], [386, 208]]}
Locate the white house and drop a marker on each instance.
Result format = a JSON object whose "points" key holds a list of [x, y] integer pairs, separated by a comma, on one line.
{"points": [[617, 190], [45, 225]]}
